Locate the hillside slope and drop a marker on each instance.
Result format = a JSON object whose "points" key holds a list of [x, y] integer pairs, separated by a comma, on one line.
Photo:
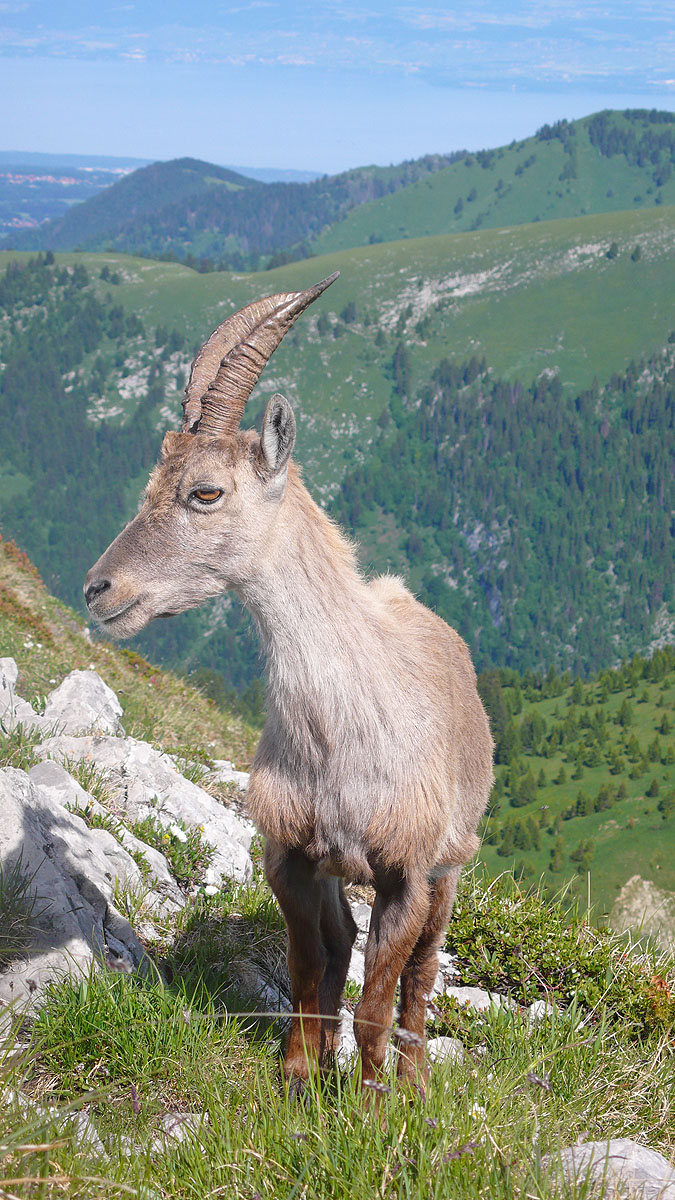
{"points": [[111, 339], [603, 163], [608, 162]]}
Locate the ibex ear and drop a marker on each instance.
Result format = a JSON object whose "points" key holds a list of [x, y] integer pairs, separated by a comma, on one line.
{"points": [[171, 439], [278, 434]]}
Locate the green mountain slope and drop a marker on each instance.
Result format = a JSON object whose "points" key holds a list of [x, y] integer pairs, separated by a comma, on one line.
{"points": [[111, 339], [585, 778], [135, 199], [608, 162], [603, 163]]}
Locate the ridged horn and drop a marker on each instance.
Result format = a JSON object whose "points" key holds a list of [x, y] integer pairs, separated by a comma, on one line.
{"points": [[229, 364]]}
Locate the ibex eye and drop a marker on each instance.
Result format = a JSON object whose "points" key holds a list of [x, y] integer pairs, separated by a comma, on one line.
{"points": [[206, 495]]}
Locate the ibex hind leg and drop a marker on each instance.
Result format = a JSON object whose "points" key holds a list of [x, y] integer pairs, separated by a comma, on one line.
{"points": [[399, 913], [294, 881], [419, 975], [338, 931]]}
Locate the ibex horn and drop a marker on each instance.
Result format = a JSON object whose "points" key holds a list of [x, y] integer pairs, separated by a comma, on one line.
{"points": [[229, 365]]}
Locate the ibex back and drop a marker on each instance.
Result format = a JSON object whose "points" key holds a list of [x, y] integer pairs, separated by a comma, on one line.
{"points": [[375, 762]]}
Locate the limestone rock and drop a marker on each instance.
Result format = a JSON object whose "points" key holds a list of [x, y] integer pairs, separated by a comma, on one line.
{"points": [[477, 998], [357, 967], [362, 914], [13, 710], [83, 702], [625, 1167], [645, 910], [72, 872], [53, 779], [145, 783], [225, 772], [445, 1049]]}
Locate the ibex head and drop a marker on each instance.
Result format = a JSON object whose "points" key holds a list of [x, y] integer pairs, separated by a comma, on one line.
{"points": [[213, 497]]}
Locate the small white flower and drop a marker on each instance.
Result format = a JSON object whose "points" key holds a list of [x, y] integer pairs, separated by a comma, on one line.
{"points": [[211, 890], [52, 681], [92, 667], [476, 1110], [29, 645], [179, 834]]}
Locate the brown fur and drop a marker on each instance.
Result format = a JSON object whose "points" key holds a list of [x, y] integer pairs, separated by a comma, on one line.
{"points": [[375, 762]]}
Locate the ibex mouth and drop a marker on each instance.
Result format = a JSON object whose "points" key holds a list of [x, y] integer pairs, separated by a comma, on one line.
{"points": [[121, 612]]}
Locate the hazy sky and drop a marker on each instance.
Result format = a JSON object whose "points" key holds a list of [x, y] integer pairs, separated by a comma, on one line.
{"points": [[319, 85]]}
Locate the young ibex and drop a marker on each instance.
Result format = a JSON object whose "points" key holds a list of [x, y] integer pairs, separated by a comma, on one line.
{"points": [[375, 762]]}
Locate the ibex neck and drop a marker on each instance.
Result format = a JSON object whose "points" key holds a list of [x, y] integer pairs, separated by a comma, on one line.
{"points": [[310, 603]]}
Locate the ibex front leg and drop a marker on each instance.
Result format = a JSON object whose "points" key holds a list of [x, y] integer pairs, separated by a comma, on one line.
{"points": [[294, 882], [399, 913]]}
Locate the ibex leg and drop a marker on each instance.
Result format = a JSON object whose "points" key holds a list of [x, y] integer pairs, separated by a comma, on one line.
{"points": [[399, 913], [419, 974], [294, 881], [338, 930]]}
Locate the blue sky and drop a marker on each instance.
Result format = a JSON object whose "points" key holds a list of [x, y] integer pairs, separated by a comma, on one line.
{"points": [[318, 85]]}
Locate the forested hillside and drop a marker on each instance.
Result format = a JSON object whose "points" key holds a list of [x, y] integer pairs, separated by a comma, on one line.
{"points": [[585, 777], [204, 214]]}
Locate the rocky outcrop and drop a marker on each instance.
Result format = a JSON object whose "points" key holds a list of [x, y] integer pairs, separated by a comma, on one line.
{"points": [[620, 1167], [69, 874], [646, 910]]}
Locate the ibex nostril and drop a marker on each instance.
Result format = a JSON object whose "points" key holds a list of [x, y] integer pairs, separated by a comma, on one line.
{"points": [[95, 588]]}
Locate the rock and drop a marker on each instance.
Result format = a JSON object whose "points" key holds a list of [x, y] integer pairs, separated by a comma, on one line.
{"points": [[477, 998], [447, 971], [624, 1166], [445, 1049], [225, 772], [357, 967], [645, 911], [347, 1047], [53, 779], [145, 783], [361, 914], [539, 1010], [72, 872], [177, 1128], [83, 703], [13, 710]]}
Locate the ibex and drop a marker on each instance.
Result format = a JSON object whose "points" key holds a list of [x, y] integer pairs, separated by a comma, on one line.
{"points": [[375, 761]]}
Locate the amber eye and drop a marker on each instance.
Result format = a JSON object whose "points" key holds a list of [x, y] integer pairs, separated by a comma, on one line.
{"points": [[206, 495]]}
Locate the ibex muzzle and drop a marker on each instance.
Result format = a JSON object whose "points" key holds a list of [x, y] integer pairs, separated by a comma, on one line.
{"points": [[375, 762]]}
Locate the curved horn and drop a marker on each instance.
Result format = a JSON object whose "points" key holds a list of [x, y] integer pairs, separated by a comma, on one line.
{"points": [[230, 363]]}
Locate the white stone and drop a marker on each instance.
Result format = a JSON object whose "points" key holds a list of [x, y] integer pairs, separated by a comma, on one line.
{"points": [[624, 1166], [445, 1049], [72, 870], [477, 998], [54, 781], [13, 710], [347, 1047], [539, 1010], [362, 914], [357, 967], [84, 703], [224, 772], [145, 783]]}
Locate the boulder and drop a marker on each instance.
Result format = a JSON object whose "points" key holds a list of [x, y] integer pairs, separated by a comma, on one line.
{"points": [[71, 920], [623, 1166], [53, 779], [445, 1049], [225, 772], [84, 703], [13, 710], [145, 783]]}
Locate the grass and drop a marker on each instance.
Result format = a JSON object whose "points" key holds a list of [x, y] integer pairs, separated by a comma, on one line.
{"points": [[19, 909], [128, 1051], [17, 746], [186, 851]]}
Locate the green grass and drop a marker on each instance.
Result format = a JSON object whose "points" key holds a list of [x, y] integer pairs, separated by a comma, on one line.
{"points": [[127, 1051], [20, 907]]}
